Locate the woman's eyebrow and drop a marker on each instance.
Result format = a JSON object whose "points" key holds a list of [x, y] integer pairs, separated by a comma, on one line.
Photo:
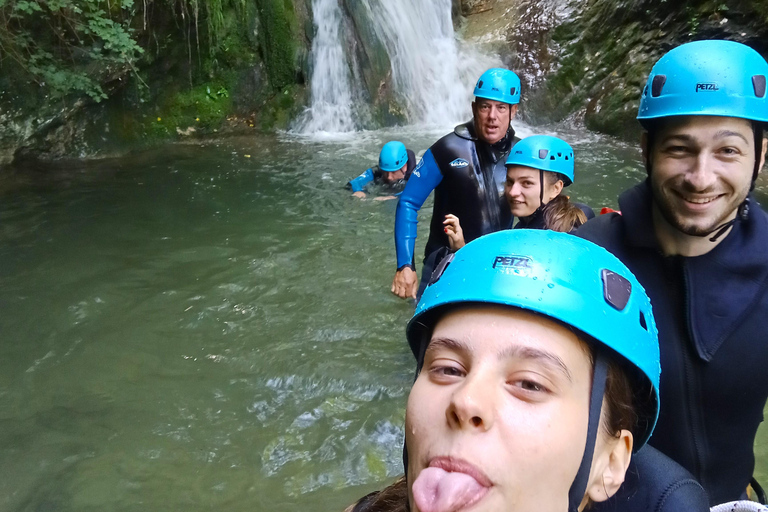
{"points": [[449, 344], [548, 359]]}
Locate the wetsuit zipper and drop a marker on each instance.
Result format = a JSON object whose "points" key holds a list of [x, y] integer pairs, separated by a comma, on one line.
{"points": [[487, 159], [692, 396]]}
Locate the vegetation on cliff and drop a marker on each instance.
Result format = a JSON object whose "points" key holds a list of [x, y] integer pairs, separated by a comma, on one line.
{"points": [[609, 48], [75, 74], [83, 77]]}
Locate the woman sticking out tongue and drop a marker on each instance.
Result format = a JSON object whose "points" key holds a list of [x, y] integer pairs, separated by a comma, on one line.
{"points": [[538, 368]]}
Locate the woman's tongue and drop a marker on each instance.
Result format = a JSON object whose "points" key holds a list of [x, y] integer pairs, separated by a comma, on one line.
{"points": [[437, 490]]}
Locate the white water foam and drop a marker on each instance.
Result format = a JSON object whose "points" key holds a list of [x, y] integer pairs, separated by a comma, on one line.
{"points": [[433, 72], [331, 94]]}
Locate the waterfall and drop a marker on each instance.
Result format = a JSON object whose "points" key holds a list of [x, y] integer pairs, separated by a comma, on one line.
{"points": [[331, 93], [432, 72]]}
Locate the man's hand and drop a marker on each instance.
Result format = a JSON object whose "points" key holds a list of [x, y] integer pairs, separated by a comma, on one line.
{"points": [[454, 232], [360, 194], [405, 284]]}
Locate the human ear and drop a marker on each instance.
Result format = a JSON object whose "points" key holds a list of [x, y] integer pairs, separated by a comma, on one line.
{"points": [[644, 147], [609, 467], [557, 188], [762, 154], [512, 111]]}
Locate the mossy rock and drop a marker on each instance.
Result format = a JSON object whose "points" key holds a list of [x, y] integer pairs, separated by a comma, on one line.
{"points": [[278, 112], [609, 50], [278, 30]]}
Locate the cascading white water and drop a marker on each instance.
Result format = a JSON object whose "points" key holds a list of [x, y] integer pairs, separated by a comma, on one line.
{"points": [[433, 73], [331, 94]]}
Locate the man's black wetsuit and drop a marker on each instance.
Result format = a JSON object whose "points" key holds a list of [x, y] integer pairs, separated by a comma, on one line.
{"points": [[468, 178], [711, 313]]}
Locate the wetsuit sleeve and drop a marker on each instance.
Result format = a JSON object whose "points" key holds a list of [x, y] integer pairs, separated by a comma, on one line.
{"points": [[425, 178], [359, 183]]}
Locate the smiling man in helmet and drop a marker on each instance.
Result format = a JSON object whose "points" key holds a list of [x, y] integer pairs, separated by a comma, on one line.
{"points": [[698, 242], [467, 172]]}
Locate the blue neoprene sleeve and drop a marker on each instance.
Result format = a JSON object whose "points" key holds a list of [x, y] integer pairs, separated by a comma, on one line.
{"points": [[359, 183], [425, 178]]}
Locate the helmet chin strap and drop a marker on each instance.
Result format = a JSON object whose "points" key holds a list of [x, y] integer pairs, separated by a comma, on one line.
{"points": [[541, 196], [579, 486], [741, 214]]}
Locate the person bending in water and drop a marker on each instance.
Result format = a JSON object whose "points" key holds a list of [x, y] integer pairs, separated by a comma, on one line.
{"points": [[698, 241], [466, 170], [537, 377], [396, 163], [537, 170]]}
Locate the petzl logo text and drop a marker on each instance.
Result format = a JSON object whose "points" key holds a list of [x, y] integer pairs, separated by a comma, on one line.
{"points": [[418, 168], [459, 163], [707, 87], [519, 265]]}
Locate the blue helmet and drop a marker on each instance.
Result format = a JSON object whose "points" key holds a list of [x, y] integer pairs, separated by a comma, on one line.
{"points": [[565, 278], [545, 153], [393, 156], [499, 84], [707, 78]]}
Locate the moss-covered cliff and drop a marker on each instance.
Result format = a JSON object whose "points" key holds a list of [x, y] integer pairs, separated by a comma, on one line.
{"points": [[605, 52], [113, 76]]}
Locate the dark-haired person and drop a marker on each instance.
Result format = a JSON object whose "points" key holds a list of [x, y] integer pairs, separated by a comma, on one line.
{"points": [[538, 168], [696, 239], [537, 371], [396, 163]]}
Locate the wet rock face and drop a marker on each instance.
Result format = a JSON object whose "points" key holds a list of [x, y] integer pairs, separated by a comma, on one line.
{"points": [[469, 7], [370, 52], [603, 54], [534, 54]]}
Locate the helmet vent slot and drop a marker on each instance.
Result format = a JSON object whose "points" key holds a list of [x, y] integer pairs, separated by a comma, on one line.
{"points": [[758, 82], [643, 323], [543, 153], [438, 272], [657, 85], [512, 91], [616, 289]]}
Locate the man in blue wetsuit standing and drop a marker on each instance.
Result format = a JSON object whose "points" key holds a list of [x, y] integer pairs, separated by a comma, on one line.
{"points": [[467, 172], [697, 241], [396, 163]]}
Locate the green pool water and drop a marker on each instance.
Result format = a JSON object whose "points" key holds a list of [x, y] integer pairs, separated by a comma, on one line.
{"points": [[209, 326]]}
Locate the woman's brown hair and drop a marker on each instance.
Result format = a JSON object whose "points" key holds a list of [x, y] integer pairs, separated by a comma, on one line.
{"points": [[560, 214]]}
